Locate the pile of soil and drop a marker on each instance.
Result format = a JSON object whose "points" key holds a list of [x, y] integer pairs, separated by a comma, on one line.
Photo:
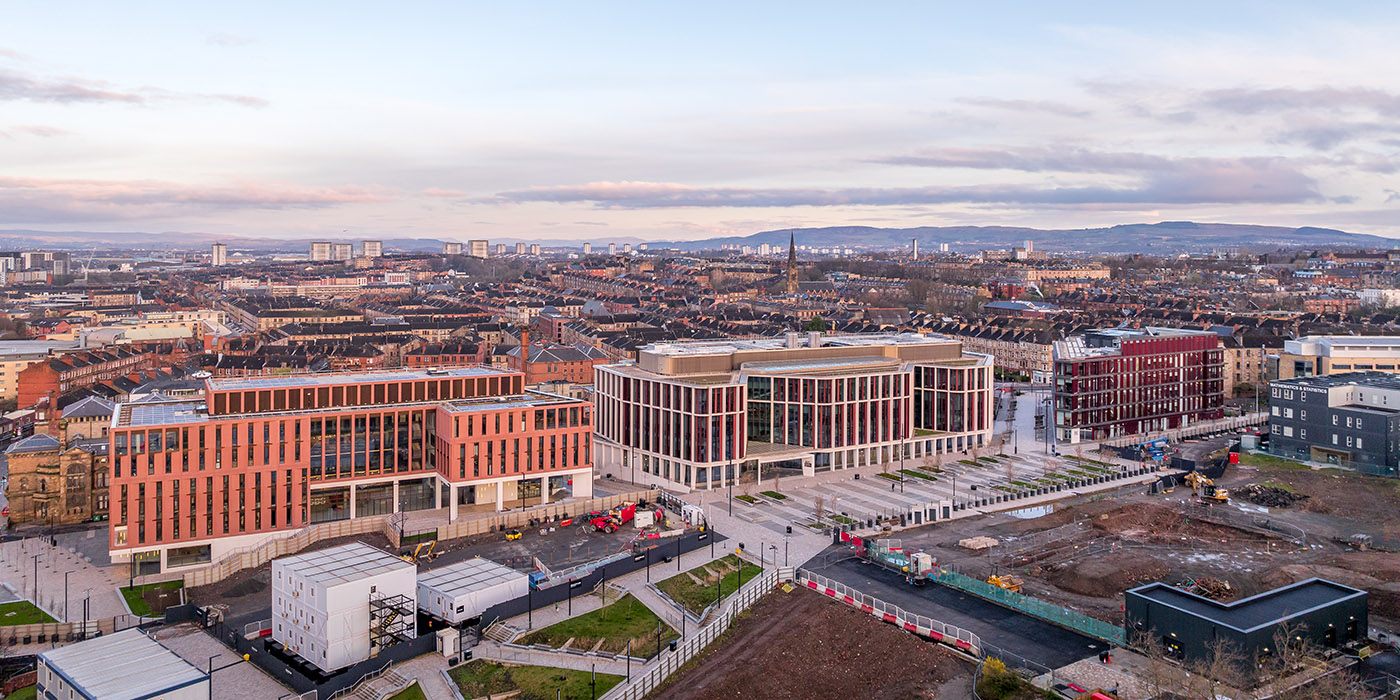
{"points": [[805, 646], [1108, 575], [1149, 522], [1270, 496]]}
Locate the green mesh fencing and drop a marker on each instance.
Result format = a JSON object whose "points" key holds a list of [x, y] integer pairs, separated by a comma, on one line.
{"points": [[1079, 622]]}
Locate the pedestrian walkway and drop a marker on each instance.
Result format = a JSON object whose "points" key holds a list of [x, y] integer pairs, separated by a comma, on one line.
{"points": [[21, 560], [427, 669]]}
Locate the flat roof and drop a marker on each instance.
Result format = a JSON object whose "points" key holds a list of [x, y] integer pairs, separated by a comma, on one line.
{"points": [[728, 346], [344, 564], [1267, 608], [1368, 379], [337, 378], [871, 363], [468, 576], [127, 665]]}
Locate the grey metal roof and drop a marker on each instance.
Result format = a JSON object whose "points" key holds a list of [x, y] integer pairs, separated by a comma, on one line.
{"points": [[343, 564], [38, 442], [1268, 608], [90, 407], [467, 576], [127, 665]]}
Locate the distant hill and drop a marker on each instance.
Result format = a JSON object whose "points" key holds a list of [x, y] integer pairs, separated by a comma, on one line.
{"points": [[1161, 238], [23, 239]]}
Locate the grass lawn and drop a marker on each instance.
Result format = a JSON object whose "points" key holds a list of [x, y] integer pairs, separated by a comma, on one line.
{"points": [[918, 475], [480, 678], [696, 597], [747, 498], [970, 463], [22, 612], [1255, 460], [842, 519], [412, 692], [1023, 484], [138, 606], [992, 460], [887, 475], [774, 495], [616, 624], [28, 692], [1280, 486]]}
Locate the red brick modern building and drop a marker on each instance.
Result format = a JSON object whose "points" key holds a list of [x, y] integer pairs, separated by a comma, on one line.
{"points": [[1125, 381], [59, 375], [194, 480]]}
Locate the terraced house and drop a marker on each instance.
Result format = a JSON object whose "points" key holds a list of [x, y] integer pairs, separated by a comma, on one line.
{"points": [[703, 414], [262, 457]]}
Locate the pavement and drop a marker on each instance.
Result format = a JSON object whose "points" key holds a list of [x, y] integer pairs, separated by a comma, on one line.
{"points": [[234, 679], [96, 584], [1046, 645]]}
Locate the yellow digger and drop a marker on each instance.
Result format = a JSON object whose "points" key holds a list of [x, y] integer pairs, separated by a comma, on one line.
{"points": [[1207, 488], [1006, 581], [423, 552]]}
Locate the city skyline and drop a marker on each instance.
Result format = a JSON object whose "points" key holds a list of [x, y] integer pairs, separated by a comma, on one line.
{"points": [[571, 123]]}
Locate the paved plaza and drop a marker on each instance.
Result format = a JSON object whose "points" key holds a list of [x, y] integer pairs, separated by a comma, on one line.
{"points": [[20, 560]]}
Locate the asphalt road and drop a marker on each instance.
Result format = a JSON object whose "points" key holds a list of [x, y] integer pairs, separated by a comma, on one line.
{"points": [[1049, 645]]}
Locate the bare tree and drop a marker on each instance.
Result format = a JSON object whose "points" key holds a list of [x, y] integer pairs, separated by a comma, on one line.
{"points": [[819, 507]]}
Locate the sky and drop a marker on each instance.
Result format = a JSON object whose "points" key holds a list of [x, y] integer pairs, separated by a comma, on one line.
{"points": [[669, 121]]}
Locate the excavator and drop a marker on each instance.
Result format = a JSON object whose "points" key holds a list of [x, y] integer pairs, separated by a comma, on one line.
{"points": [[422, 553], [1209, 491], [1006, 581]]}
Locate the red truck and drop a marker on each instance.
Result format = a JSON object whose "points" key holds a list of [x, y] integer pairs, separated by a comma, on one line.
{"points": [[610, 520]]}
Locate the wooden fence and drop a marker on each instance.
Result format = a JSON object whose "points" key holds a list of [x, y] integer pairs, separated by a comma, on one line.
{"points": [[63, 632], [256, 556]]}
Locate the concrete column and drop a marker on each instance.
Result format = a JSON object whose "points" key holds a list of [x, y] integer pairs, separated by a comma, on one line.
{"points": [[500, 495], [352, 501], [544, 490], [437, 495], [452, 506], [396, 496]]}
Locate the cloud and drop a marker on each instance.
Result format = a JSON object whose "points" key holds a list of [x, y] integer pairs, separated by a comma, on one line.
{"points": [[30, 200], [1033, 106], [1245, 100], [1231, 183], [16, 86], [34, 130], [13, 55], [228, 40]]}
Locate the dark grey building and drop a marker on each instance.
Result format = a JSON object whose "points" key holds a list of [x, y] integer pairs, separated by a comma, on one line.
{"points": [[1350, 419], [1325, 613]]}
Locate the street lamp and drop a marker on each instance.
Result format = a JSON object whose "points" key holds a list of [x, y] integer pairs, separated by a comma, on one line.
{"points": [[36, 577], [211, 676], [65, 595]]}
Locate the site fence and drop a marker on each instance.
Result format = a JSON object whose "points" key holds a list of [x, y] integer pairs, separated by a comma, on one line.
{"points": [[552, 512], [658, 671], [64, 632], [251, 557], [1049, 612], [257, 555], [951, 635], [1214, 426]]}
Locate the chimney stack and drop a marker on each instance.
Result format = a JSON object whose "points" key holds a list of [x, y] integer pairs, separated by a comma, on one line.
{"points": [[525, 353]]}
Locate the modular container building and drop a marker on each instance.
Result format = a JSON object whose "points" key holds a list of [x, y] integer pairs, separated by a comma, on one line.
{"points": [[461, 591], [127, 665], [339, 606]]}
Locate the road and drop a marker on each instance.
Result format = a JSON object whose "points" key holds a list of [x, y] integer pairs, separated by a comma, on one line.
{"points": [[1045, 644]]}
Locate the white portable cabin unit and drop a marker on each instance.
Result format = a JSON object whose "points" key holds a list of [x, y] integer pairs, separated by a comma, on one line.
{"points": [[127, 665], [462, 591], [321, 601]]}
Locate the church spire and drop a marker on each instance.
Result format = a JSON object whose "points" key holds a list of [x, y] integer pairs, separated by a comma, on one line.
{"points": [[792, 264]]}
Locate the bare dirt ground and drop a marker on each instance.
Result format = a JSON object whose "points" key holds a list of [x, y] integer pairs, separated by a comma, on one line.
{"points": [[249, 590], [834, 652], [1089, 550]]}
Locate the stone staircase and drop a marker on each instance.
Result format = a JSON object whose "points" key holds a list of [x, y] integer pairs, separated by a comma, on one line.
{"points": [[500, 632], [382, 687]]}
